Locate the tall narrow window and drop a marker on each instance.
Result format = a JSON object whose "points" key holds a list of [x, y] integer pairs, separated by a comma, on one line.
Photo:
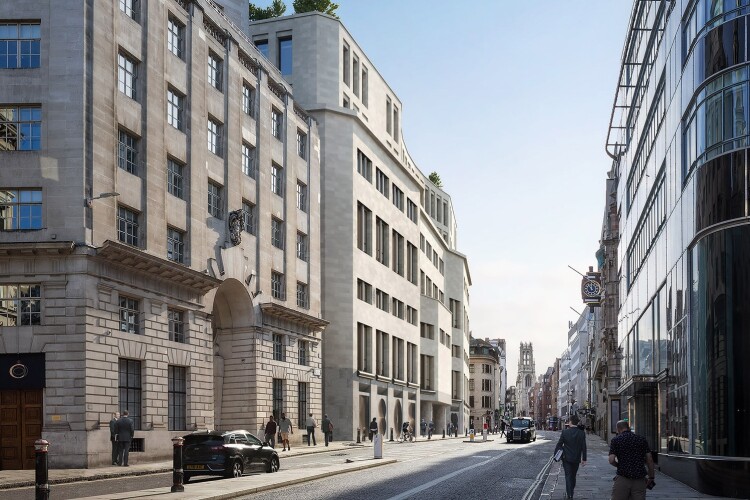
{"points": [[364, 166], [20, 210], [175, 178], [345, 67], [277, 233], [177, 398], [277, 286], [301, 404], [130, 315], [248, 100], [127, 153], [262, 46], [129, 389], [278, 397], [175, 109], [277, 180], [214, 71], [176, 325], [215, 200], [364, 348], [364, 229], [301, 144], [301, 196], [126, 75], [302, 296], [285, 56], [302, 246], [302, 352], [248, 160], [365, 87], [279, 353], [127, 226], [381, 241], [355, 75], [395, 124], [175, 245], [381, 349], [20, 128], [215, 136], [276, 123], [388, 116], [175, 37], [20, 45], [251, 217], [131, 8]]}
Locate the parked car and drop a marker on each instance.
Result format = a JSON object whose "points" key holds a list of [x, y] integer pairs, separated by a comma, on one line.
{"points": [[521, 429], [228, 454]]}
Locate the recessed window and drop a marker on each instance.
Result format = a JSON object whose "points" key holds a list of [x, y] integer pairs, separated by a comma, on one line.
{"points": [[364, 228], [248, 160], [301, 196], [302, 345], [382, 236], [175, 245], [345, 102], [127, 74], [285, 56], [130, 315], [177, 398], [215, 200], [127, 157], [279, 353], [175, 109], [398, 198], [302, 301], [20, 210], [277, 120], [20, 45], [129, 389], [302, 246], [382, 182], [365, 87], [388, 116], [277, 180], [355, 75], [262, 46], [277, 233], [175, 178], [175, 37], [345, 60], [215, 131], [277, 286], [214, 71], [301, 144], [20, 128], [127, 226], [248, 100], [395, 124], [364, 166], [131, 8], [176, 325], [364, 291], [20, 304], [249, 212]]}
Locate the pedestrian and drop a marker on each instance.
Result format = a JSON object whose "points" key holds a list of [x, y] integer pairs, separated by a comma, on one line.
{"points": [[311, 424], [629, 452], [285, 427], [125, 429], [502, 428], [423, 427], [271, 431], [113, 438], [573, 445], [373, 428], [430, 429], [327, 427]]}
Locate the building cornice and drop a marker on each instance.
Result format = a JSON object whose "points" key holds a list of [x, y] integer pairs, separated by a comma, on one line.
{"points": [[288, 314], [37, 248]]}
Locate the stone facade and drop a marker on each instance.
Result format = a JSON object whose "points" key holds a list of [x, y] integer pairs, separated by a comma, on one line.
{"points": [[484, 389], [525, 379]]}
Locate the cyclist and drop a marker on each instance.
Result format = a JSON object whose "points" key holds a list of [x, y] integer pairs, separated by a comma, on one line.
{"points": [[405, 434]]}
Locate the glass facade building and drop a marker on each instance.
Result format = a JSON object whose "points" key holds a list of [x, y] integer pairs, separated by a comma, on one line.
{"points": [[679, 140]]}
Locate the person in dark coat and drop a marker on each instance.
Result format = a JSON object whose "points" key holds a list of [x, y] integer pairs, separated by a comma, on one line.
{"points": [[113, 438], [573, 444], [373, 428], [125, 430], [327, 428], [271, 431]]}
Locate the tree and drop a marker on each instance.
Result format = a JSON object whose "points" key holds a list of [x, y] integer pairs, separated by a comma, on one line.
{"points": [[276, 9], [435, 179], [324, 6]]}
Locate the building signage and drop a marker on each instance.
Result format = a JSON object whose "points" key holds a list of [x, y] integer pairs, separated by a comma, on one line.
{"points": [[22, 371], [591, 288]]}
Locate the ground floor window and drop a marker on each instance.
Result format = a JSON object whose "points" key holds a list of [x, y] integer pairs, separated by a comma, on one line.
{"points": [[130, 389], [278, 398], [302, 404], [177, 398]]}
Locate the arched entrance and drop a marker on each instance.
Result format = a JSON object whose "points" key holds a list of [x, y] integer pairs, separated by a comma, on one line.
{"points": [[397, 416], [232, 322], [382, 415]]}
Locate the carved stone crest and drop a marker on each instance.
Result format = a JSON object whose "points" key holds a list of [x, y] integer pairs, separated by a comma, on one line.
{"points": [[236, 226]]}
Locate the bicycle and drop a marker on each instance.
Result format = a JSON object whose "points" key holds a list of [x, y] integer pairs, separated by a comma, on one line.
{"points": [[406, 436]]}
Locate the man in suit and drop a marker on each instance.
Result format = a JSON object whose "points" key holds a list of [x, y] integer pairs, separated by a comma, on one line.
{"points": [[573, 444], [125, 430], [113, 438]]}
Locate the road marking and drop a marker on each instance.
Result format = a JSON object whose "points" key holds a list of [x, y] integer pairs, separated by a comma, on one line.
{"points": [[537, 481], [434, 482], [481, 456]]}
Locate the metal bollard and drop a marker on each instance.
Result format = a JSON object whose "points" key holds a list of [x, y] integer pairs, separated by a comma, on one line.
{"points": [[177, 475], [358, 435], [443, 434], [41, 463], [391, 434]]}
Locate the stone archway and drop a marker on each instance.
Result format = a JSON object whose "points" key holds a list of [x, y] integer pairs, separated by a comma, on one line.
{"points": [[397, 417], [382, 413], [232, 322]]}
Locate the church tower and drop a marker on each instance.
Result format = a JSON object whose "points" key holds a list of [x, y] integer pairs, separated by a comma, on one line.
{"points": [[525, 379]]}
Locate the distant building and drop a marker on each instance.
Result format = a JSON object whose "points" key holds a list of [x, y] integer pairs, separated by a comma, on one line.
{"points": [[484, 390], [511, 402], [502, 371], [525, 378]]}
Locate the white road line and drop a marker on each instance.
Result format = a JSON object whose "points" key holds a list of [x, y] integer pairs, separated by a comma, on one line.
{"points": [[537, 481], [434, 482]]}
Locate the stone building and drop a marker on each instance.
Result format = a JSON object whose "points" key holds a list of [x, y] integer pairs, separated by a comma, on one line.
{"points": [[159, 230], [484, 389], [525, 379]]}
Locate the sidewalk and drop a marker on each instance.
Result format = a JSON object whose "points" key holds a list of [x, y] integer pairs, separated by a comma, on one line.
{"points": [[595, 478]]}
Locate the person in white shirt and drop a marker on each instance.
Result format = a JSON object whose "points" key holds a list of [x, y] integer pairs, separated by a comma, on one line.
{"points": [[311, 425]]}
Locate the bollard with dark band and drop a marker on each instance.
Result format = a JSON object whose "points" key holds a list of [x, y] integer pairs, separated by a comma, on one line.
{"points": [[177, 475], [42, 469], [358, 435], [391, 434], [443, 433]]}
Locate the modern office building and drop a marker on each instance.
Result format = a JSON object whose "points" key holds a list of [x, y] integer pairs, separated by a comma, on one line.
{"points": [[484, 387], [679, 141], [395, 288], [159, 230]]}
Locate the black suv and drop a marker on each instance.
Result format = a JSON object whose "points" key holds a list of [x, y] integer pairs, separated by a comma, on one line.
{"points": [[521, 429], [228, 454]]}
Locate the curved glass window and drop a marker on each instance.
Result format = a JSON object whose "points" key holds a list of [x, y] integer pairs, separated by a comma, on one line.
{"points": [[720, 343], [720, 190], [706, 15]]}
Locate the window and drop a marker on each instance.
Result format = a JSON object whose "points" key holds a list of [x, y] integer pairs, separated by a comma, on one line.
{"points": [[398, 198], [411, 211], [302, 246], [131, 9], [456, 351], [382, 300], [345, 60], [20, 304], [355, 75], [456, 384], [412, 263], [262, 46], [364, 229], [248, 100], [277, 286], [126, 75], [278, 398], [175, 245], [278, 347], [215, 137], [364, 166], [345, 101], [397, 363], [301, 196], [127, 226], [301, 404], [276, 123], [277, 233], [427, 373], [364, 348], [486, 402], [395, 123], [471, 401], [398, 253], [277, 180], [411, 362], [365, 93], [302, 296], [382, 183], [364, 291], [381, 349], [471, 384], [175, 109], [397, 308], [20, 128], [455, 307], [176, 326], [130, 316], [486, 385], [249, 212], [214, 200], [129, 388], [127, 153], [381, 241], [301, 144], [175, 37], [285, 56], [20, 45], [20, 209], [427, 331], [177, 398], [175, 178], [388, 105], [248, 160], [471, 368], [302, 352], [214, 70], [411, 315]]}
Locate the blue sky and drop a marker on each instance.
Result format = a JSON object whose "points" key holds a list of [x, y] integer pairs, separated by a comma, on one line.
{"points": [[509, 101]]}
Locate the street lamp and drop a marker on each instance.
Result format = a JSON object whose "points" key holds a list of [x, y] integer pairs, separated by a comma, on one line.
{"points": [[89, 200]]}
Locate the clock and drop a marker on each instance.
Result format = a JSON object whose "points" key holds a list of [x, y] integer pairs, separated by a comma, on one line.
{"points": [[592, 289]]}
